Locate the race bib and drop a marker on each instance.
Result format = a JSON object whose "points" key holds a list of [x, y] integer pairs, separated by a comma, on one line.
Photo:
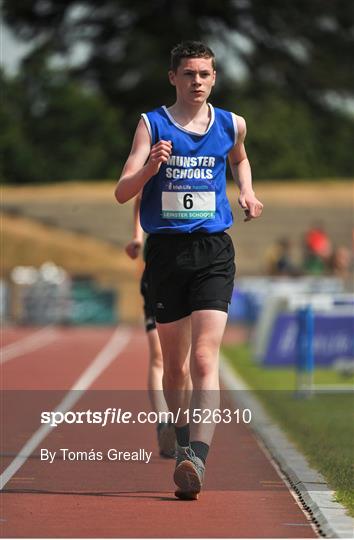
{"points": [[188, 205]]}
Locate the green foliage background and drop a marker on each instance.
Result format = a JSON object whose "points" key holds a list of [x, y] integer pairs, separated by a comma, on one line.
{"points": [[56, 130], [283, 65]]}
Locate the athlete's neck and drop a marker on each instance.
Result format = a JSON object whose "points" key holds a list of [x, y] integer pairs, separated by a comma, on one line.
{"points": [[195, 116]]}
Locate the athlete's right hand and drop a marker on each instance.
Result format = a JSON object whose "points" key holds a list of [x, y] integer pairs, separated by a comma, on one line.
{"points": [[160, 152], [133, 248]]}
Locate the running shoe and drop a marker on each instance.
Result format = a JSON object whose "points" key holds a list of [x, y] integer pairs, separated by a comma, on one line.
{"points": [[167, 440], [186, 495], [189, 474]]}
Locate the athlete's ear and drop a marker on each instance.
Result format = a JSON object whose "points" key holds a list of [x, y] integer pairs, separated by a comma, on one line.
{"points": [[214, 77], [172, 77]]}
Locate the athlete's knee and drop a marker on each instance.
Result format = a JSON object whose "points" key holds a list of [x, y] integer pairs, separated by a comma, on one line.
{"points": [[175, 375], [156, 360], [204, 363]]}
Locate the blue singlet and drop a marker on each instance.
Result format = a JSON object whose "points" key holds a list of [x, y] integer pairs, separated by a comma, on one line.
{"points": [[188, 194]]}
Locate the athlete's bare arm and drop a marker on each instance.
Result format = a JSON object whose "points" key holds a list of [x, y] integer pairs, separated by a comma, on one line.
{"points": [[144, 161], [241, 172], [133, 248]]}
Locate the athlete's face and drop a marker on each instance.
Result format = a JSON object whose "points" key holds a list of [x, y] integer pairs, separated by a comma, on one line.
{"points": [[194, 79]]}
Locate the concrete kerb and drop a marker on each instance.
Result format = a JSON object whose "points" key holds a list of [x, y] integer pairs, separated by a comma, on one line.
{"points": [[310, 486]]}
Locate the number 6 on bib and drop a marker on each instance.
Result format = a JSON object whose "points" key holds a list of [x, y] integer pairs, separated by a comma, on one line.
{"points": [[187, 205]]}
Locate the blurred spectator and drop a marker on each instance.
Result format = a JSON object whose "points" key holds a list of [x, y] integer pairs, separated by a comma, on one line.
{"points": [[279, 259], [340, 262], [317, 250]]}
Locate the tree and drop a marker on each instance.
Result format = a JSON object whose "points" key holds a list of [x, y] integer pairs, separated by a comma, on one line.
{"points": [[289, 139], [54, 130], [302, 50], [17, 153], [305, 46]]}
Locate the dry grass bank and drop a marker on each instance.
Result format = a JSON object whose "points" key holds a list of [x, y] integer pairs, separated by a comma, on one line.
{"points": [[29, 243], [79, 226], [309, 193]]}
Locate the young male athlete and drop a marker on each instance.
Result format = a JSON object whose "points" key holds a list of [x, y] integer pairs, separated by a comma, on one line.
{"points": [[165, 431], [178, 158]]}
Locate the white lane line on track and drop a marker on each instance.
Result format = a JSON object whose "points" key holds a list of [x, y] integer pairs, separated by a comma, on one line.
{"points": [[104, 358], [28, 344]]}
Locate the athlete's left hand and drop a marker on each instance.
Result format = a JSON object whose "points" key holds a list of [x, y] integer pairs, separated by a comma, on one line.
{"points": [[133, 248], [250, 205]]}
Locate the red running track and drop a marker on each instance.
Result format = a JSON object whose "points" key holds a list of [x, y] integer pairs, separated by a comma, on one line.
{"points": [[244, 496]]}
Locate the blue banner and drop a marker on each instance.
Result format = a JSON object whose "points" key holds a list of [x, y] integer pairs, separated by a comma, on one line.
{"points": [[333, 338]]}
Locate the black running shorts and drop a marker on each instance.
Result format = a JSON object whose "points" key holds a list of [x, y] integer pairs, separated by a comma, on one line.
{"points": [[189, 272], [149, 316]]}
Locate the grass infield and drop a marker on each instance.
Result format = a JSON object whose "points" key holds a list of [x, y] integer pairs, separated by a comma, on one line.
{"points": [[321, 426]]}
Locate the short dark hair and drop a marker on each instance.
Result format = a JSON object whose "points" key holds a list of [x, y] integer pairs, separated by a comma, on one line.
{"points": [[190, 49]]}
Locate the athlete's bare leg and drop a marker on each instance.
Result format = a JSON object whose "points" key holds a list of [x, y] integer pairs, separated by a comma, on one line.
{"points": [[204, 329], [165, 429], [175, 339], [207, 331], [155, 373]]}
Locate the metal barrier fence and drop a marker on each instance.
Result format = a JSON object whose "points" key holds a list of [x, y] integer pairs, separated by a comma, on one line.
{"points": [[49, 295]]}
